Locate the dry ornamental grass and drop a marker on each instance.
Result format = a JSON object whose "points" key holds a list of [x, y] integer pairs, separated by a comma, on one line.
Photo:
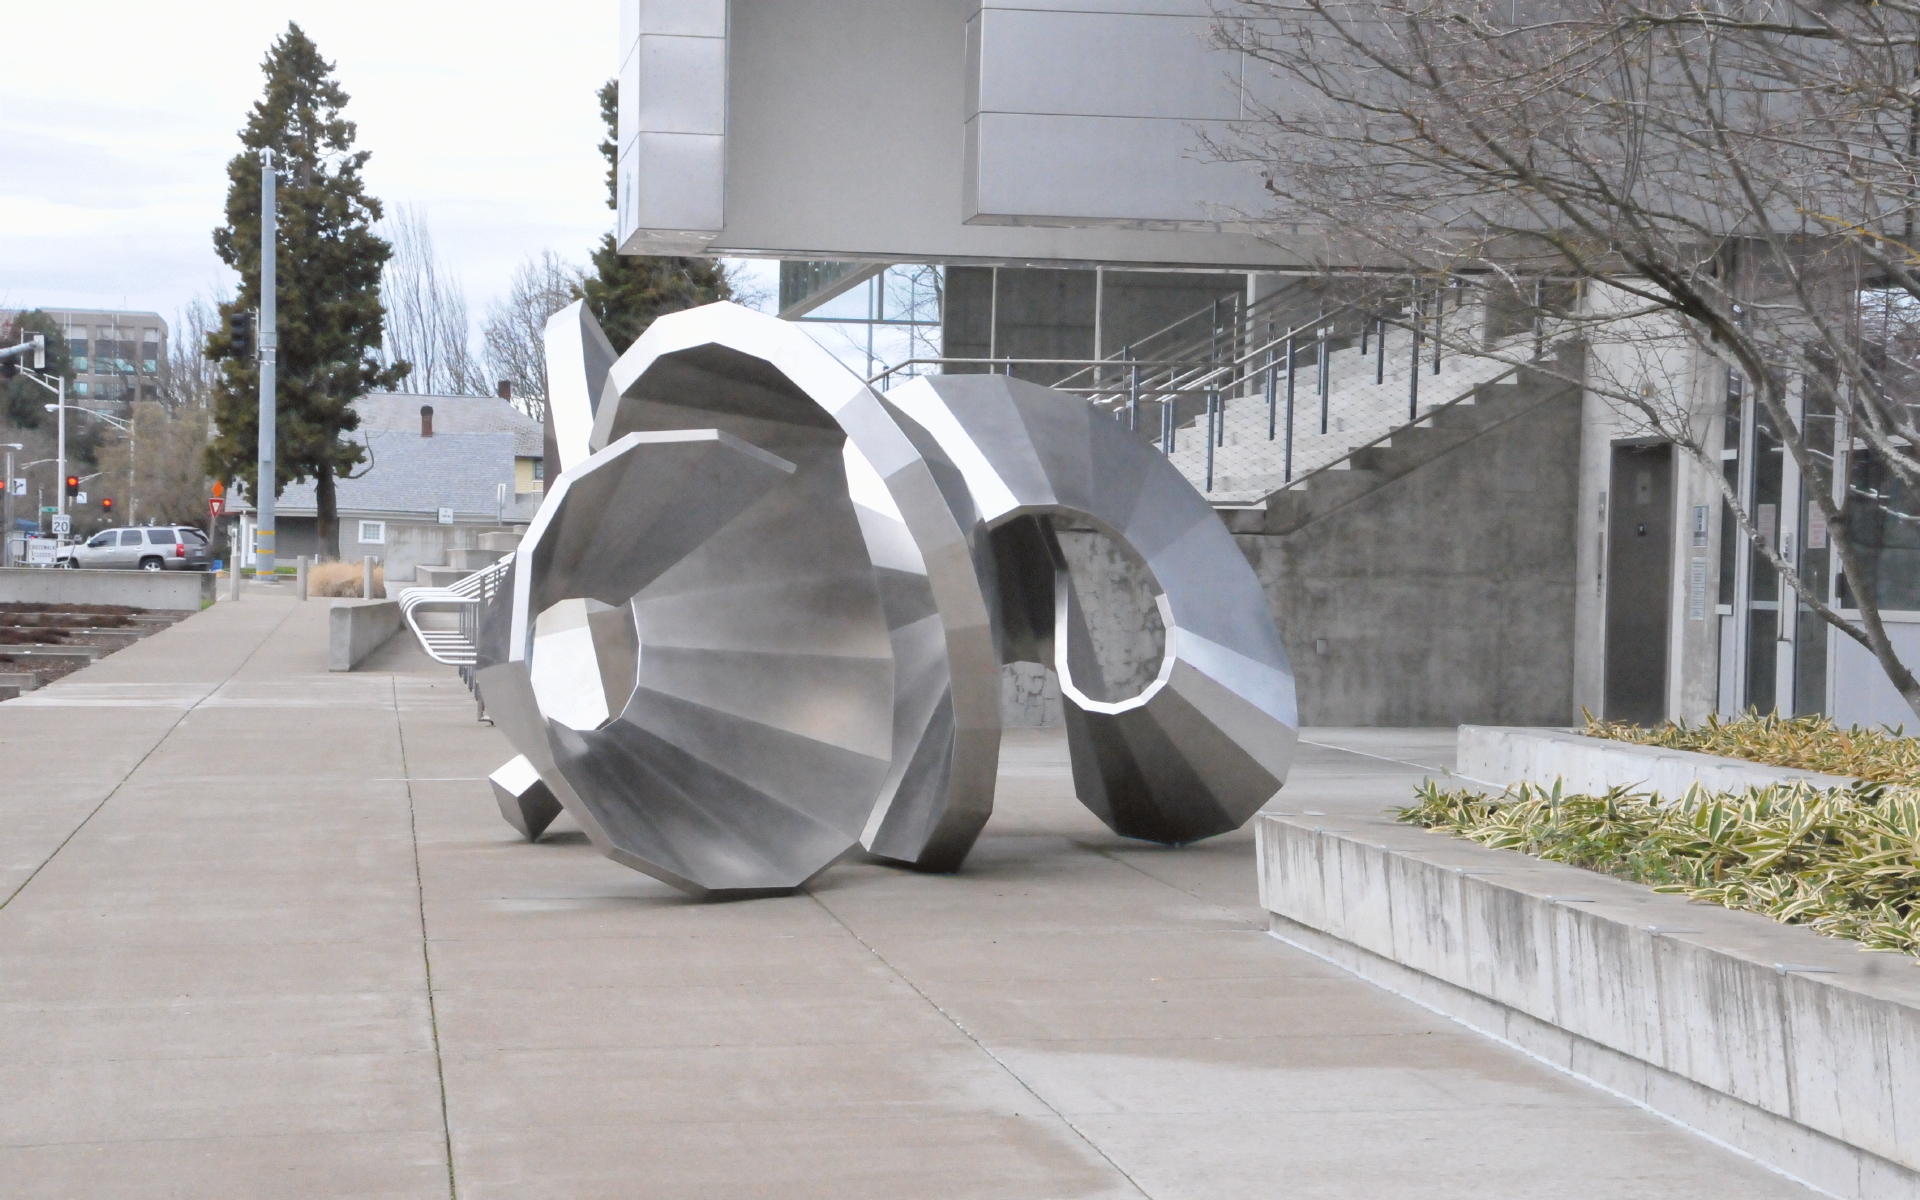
{"points": [[1845, 863], [1808, 743], [342, 579]]}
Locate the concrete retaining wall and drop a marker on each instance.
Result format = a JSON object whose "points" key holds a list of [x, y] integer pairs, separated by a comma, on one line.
{"points": [[1587, 765], [356, 628], [1798, 1050], [187, 590], [1445, 597]]}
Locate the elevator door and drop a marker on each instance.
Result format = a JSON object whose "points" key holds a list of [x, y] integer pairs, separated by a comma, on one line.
{"points": [[1639, 576]]}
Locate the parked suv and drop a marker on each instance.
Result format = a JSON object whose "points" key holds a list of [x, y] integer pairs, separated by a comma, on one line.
{"points": [[145, 548]]}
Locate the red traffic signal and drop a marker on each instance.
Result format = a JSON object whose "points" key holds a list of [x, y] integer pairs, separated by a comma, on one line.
{"points": [[73, 485], [106, 504]]}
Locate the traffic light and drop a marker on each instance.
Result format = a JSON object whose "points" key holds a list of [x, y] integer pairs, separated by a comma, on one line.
{"points": [[240, 332], [73, 486], [106, 505]]}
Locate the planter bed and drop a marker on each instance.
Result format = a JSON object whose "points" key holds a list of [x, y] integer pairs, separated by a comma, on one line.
{"points": [[1794, 1048]]}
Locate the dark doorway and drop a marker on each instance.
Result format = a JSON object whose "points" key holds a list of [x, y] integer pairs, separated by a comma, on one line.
{"points": [[1639, 576]]}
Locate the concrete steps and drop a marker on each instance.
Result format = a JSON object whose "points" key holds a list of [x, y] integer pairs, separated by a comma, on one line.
{"points": [[1369, 468], [473, 559], [463, 561]]}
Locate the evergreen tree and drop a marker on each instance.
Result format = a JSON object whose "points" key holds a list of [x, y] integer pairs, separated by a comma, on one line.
{"points": [[26, 401], [329, 261], [627, 291]]}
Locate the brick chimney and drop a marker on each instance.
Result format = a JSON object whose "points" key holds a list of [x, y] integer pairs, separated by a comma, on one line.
{"points": [[426, 420], [504, 389]]}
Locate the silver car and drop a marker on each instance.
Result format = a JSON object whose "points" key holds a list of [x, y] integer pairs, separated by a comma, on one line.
{"points": [[145, 548]]}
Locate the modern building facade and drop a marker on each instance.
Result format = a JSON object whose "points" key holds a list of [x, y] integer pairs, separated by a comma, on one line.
{"points": [[118, 357], [1442, 541]]}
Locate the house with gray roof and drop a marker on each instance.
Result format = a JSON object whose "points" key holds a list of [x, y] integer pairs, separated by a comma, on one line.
{"points": [[439, 471]]}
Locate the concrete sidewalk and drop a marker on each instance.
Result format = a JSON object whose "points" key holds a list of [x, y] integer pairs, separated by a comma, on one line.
{"points": [[265, 935]]}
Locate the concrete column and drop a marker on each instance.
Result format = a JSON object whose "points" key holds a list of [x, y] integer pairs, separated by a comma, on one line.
{"points": [[366, 578], [300, 576]]}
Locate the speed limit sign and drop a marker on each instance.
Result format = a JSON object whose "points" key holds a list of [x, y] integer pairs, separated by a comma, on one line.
{"points": [[62, 524]]}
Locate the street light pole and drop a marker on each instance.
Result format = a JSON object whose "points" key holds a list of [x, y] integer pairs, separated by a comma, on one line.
{"points": [[6, 547], [60, 493], [269, 356]]}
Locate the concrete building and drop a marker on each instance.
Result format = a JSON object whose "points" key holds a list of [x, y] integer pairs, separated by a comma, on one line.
{"points": [[1443, 542], [440, 471]]}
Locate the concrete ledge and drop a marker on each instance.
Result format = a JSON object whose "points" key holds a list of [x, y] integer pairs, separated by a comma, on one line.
{"points": [[185, 590], [1502, 757], [356, 628], [1800, 1051]]}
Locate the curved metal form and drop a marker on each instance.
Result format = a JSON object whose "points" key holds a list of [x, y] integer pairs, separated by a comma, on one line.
{"points": [[698, 663], [766, 382], [763, 619], [1208, 741]]}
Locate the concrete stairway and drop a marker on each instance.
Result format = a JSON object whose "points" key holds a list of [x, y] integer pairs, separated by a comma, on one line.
{"points": [[463, 561], [1407, 449]]}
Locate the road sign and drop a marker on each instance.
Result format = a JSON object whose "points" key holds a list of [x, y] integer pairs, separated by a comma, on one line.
{"points": [[62, 524], [19, 487], [48, 508], [446, 516], [216, 505], [79, 497], [39, 552]]}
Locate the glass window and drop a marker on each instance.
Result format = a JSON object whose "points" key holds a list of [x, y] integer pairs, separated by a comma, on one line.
{"points": [[102, 539], [1884, 523], [373, 533], [192, 536], [81, 389], [129, 537], [540, 469], [161, 537]]}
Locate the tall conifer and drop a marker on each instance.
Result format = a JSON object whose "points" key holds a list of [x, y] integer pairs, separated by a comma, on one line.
{"points": [[627, 291], [329, 260]]}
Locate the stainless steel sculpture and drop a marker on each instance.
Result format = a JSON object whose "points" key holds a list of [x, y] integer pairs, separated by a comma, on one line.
{"points": [[763, 620], [1207, 742]]}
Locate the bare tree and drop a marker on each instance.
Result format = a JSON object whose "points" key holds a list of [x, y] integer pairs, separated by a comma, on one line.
{"points": [[187, 375], [427, 323], [516, 325], [1738, 180], [155, 469]]}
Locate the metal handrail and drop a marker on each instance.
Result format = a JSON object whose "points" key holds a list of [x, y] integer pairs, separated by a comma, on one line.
{"points": [[1388, 435]]}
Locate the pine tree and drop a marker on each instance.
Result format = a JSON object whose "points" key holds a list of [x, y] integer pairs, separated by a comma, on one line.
{"points": [[627, 291], [25, 402], [329, 260]]}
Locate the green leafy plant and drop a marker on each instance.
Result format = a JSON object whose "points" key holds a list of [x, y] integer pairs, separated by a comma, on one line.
{"points": [[1845, 862], [1808, 743]]}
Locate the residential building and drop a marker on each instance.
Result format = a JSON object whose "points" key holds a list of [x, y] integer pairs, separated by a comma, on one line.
{"points": [[439, 471]]}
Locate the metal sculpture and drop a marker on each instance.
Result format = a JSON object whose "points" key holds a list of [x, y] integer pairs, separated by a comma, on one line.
{"points": [[761, 615]]}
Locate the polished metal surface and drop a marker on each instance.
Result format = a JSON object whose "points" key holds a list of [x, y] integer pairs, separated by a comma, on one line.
{"points": [[764, 620], [698, 634], [578, 360], [765, 381], [526, 802], [1208, 740]]}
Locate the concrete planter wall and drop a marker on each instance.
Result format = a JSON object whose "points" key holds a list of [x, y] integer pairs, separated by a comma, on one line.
{"points": [[179, 590], [356, 628], [1799, 1050], [1502, 757]]}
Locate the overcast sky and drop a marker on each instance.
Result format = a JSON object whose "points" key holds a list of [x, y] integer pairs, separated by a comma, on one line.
{"points": [[117, 121]]}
